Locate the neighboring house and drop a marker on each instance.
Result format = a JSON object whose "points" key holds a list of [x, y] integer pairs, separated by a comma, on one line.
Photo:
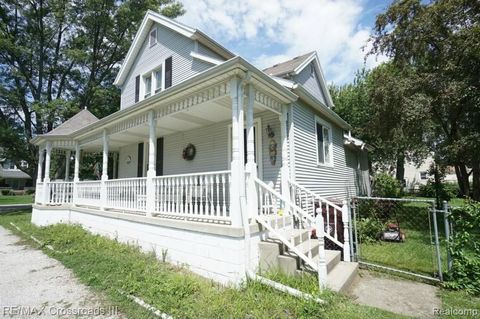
{"points": [[416, 175], [207, 149], [12, 177]]}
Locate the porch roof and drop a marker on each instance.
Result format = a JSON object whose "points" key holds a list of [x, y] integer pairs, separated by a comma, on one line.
{"points": [[76, 122], [236, 66]]}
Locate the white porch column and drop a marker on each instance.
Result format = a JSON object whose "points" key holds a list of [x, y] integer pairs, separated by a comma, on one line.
{"points": [[46, 180], [285, 170], [103, 189], [67, 164], [251, 167], [237, 167], [76, 172], [41, 150], [152, 172]]}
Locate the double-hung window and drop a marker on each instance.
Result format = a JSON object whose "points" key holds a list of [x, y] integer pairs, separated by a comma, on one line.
{"points": [[324, 142], [158, 80], [148, 85]]}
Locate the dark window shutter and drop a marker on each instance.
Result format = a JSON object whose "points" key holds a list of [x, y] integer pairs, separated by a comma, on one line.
{"points": [[168, 72], [159, 164], [137, 88], [140, 160]]}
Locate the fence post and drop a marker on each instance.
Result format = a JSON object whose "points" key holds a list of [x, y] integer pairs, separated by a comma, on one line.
{"points": [[346, 232], [446, 217], [437, 242], [322, 264]]}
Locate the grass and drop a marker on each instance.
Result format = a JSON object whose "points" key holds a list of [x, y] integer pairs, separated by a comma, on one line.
{"points": [[108, 266], [417, 254], [16, 199]]}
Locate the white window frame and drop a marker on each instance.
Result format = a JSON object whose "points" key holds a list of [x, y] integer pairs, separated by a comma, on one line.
{"points": [[154, 79], [153, 82], [144, 78], [257, 123], [151, 44], [327, 125]]}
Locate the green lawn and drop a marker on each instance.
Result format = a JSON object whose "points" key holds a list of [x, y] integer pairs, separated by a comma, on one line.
{"points": [[106, 266], [17, 199], [417, 254]]}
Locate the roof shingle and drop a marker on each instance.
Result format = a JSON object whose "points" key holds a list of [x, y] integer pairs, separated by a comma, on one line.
{"points": [[287, 66], [76, 122]]}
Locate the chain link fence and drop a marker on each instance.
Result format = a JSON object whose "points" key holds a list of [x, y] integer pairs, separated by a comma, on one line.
{"points": [[401, 235]]}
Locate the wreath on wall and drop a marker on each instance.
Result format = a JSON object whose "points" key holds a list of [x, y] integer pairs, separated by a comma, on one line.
{"points": [[189, 152]]}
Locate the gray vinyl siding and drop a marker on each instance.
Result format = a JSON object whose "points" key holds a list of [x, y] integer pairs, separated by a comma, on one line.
{"points": [[330, 182], [169, 43], [310, 81], [212, 147], [207, 52]]}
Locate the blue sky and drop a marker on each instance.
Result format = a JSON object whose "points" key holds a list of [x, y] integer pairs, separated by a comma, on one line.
{"points": [[266, 32]]}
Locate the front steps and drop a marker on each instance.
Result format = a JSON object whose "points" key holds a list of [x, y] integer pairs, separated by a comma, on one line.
{"points": [[274, 255]]}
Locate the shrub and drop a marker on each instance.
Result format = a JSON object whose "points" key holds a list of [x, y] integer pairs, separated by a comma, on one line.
{"points": [[464, 249], [386, 186], [369, 229], [7, 192], [446, 191]]}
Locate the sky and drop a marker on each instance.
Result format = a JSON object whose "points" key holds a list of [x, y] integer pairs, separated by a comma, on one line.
{"points": [[266, 32]]}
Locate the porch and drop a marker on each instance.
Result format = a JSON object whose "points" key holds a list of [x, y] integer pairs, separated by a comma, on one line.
{"points": [[233, 124]]}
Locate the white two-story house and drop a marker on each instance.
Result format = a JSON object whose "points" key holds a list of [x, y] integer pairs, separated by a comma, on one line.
{"points": [[213, 159]]}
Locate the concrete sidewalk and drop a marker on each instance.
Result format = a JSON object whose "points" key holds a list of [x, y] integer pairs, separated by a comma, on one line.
{"points": [[33, 285]]}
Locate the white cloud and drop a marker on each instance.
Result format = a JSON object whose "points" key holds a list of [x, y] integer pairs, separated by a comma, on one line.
{"points": [[329, 27]]}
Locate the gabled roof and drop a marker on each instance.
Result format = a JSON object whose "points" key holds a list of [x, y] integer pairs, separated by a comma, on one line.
{"points": [[296, 65], [76, 122], [284, 68], [154, 17]]}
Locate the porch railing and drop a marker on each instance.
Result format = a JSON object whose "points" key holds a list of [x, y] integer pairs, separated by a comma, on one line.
{"points": [[88, 193], [127, 194], [59, 192], [200, 196], [312, 203]]}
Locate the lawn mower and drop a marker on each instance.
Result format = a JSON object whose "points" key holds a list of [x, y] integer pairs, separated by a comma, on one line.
{"points": [[393, 233]]}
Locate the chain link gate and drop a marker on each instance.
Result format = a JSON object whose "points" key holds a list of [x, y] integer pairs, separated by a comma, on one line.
{"points": [[402, 235]]}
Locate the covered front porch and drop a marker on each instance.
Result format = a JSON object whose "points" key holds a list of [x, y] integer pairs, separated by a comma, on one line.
{"points": [[238, 131]]}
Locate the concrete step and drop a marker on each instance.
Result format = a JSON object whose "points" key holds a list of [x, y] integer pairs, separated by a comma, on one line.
{"points": [[298, 235], [342, 275], [333, 258], [307, 246]]}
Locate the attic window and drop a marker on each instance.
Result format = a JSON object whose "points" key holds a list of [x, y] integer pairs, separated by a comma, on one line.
{"points": [[153, 37]]}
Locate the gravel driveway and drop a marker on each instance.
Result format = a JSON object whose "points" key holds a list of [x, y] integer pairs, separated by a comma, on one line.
{"points": [[33, 285]]}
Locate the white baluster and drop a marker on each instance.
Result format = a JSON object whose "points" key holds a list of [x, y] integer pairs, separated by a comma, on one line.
{"points": [[346, 233], [224, 187], [335, 211]]}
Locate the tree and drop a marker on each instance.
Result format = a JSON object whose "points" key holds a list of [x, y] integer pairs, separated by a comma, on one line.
{"points": [[385, 111], [440, 42], [58, 56]]}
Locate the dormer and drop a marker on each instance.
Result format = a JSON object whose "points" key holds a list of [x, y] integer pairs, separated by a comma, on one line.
{"points": [[163, 54], [304, 70]]}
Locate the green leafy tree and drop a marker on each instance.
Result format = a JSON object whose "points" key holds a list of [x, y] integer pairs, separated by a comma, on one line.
{"points": [[58, 56], [440, 41], [385, 110]]}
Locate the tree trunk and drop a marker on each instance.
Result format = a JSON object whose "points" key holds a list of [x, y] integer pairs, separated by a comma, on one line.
{"points": [[400, 171], [476, 180], [462, 178]]}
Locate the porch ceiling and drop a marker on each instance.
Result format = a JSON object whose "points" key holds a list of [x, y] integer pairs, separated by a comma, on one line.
{"points": [[204, 114]]}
